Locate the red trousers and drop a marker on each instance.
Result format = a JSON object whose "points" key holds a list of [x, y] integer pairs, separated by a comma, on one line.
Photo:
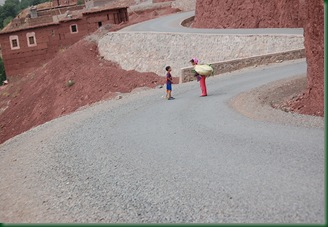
{"points": [[203, 86]]}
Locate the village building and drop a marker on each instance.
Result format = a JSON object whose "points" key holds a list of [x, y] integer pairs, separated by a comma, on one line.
{"points": [[32, 39]]}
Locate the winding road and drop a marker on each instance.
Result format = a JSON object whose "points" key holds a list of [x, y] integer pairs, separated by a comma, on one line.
{"points": [[144, 159], [172, 23]]}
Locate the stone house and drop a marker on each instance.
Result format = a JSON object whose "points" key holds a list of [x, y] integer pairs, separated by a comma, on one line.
{"points": [[31, 40]]}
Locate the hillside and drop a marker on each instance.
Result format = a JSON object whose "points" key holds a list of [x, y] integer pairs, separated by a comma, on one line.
{"points": [[46, 93]]}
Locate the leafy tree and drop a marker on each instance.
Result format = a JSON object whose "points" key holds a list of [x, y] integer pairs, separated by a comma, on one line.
{"points": [[24, 4], [7, 20], [16, 2], [9, 9], [12, 7], [1, 18], [2, 72]]}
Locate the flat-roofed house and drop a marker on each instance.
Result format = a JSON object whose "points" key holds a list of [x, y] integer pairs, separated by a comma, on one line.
{"points": [[30, 41]]}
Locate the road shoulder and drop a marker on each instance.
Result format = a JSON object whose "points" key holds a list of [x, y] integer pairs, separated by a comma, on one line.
{"points": [[257, 103]]}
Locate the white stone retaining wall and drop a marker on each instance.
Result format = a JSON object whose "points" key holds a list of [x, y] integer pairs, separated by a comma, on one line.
{"points": [[151, 52], [184, 5], [148, 6], [187, 73]]}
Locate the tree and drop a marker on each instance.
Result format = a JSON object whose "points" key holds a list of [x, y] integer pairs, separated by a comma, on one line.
{"points": [[12, 7], [2, 72], [8, 12], [7, 21], [25, 4]]}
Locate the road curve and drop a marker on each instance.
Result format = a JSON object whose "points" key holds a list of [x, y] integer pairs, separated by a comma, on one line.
{"points": [[144, 159], [172, 23]]}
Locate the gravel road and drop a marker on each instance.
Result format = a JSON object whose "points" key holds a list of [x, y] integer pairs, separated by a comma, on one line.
{"points": [[144, 159]]}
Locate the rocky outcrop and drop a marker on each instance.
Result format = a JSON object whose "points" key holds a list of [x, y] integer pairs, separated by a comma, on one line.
{"points": [[248, 14], [312, 101]]}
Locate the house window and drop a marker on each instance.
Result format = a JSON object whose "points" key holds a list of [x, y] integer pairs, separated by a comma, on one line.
{"points": [[74, 28], [99, 24], [31, 41], [14, 42]]}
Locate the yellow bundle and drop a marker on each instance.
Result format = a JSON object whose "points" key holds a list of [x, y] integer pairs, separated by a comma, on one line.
{"points": [[204, 70]]}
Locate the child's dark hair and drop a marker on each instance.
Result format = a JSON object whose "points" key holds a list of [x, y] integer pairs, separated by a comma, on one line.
{"points": [[167, 68]]}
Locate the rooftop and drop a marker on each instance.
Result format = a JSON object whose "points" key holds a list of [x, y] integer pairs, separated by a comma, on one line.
{"points": [[47, 15]]}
